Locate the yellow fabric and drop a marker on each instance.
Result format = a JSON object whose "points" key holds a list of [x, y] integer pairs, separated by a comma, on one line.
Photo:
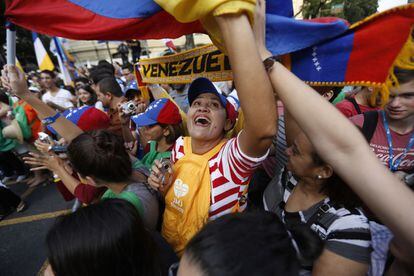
{"points": [[405, 60], [187, 202], [206, 10], [46, 64]]}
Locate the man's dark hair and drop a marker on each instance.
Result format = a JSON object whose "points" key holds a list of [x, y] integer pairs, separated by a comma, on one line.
{"points": [[83, 80], [404, 75], [110, 85], [49, 72], [107, 238], [249, 243], [103, 64], [100, 154], [97, 75]]}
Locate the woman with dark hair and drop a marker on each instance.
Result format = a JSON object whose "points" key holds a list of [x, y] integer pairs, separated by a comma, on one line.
{"points": [[100, 159], [308, 192], [86, 95], [107, 238]]}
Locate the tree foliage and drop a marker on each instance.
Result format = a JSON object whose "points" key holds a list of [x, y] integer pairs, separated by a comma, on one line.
{"points": [[24, 43], [351, 10]]}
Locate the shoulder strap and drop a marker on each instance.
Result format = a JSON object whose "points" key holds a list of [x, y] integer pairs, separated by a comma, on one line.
{"points": [[317, 216], [355, 104], [370, 124]]}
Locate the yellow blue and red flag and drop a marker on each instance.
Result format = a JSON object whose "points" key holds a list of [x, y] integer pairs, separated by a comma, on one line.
{"points": [[43, 60]]}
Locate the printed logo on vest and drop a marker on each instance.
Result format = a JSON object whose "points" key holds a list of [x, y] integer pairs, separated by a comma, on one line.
{"points": [[180, 188]]}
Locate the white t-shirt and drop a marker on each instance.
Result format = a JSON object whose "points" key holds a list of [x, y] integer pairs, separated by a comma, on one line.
{"points": [[62, 98]]}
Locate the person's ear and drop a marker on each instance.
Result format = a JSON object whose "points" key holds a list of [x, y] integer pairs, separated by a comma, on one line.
{"points": [[323, 172], [228, 125], [166, 131], [108, 96]]}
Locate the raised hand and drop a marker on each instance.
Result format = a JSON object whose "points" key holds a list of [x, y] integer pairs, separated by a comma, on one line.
{"points": [[42, 161], [14, 81], [160, 179]]}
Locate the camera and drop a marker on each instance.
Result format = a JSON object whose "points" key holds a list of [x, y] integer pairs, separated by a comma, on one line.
{"points": [[43, 137], [129, 108], [165, 166]]}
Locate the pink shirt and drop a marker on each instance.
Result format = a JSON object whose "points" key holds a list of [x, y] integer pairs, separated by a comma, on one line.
{"points": [[379, 144], [348, 109]]}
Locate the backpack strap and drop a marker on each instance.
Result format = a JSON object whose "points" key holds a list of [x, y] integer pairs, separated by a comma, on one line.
{"points": [[355, 104], [317, 216], [370, 124]]}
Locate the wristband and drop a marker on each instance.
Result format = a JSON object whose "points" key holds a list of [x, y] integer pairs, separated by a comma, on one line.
{"points": [[269, 62], [50, 120]]}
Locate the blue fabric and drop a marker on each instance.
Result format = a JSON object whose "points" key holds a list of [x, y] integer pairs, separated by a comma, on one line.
{"points": [[73, 115], [325, 62], [150, 116], [280, 7], [286, 35], [120, 9]]}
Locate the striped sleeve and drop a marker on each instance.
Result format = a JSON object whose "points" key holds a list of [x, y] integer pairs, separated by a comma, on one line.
{"points": [[178, 150], [235, 165], [350, 237]]}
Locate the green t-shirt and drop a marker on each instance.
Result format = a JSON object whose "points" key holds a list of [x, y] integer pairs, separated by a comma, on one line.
{"points": [[149, 158], [5, 143], [128, 196]]}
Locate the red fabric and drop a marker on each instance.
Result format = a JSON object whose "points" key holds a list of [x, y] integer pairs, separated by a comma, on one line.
{"points": [[379, 144], [93, 119], [382, 35], [86, 194], [170, 114], [66, 194], [65, 19], [348, 109]]}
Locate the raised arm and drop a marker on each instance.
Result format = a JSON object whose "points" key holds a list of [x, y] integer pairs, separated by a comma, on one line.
{"points": [[342, 145], [253, 87], [13, 79]]}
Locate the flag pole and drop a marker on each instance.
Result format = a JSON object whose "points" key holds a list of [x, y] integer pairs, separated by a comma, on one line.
{"points": [[11, 43], [109, 52]]}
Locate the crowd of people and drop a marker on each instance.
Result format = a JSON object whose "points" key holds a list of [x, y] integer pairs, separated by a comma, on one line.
{"points": [[270, 179]]}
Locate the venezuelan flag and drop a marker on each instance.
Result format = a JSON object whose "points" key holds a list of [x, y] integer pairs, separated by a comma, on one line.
{"points": [[97, 20]]}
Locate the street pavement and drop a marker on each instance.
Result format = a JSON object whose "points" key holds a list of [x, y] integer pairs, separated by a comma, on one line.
{"points": [[22, 235]]}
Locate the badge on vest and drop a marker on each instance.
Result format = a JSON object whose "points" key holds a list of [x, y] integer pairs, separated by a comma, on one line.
{"points": [[180, 190]]}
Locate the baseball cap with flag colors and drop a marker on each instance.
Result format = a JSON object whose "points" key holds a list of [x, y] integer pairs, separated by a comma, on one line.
{"points": [[161, 111], [86, 118]]}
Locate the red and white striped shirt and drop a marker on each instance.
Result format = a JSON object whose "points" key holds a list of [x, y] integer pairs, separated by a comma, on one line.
{"points": [[230, 171]]}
